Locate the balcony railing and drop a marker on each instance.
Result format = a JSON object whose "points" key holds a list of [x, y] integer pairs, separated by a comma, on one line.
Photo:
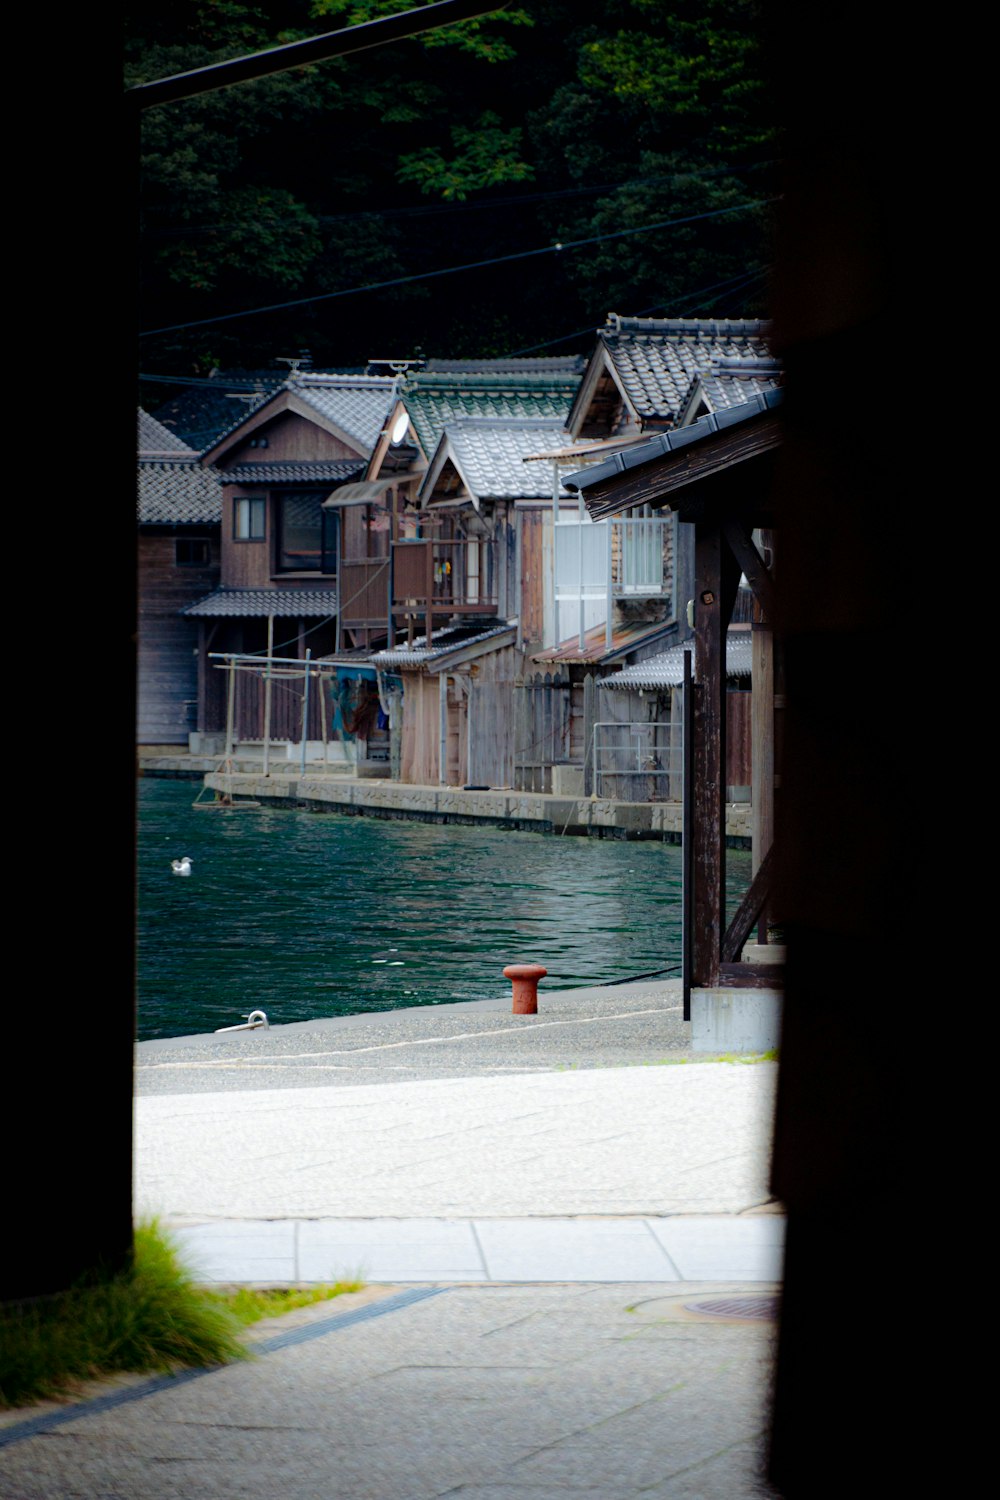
{"points": [[455, 577]]}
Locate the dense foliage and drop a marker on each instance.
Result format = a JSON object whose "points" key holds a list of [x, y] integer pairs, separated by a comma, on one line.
{"points": [[550, 122]]}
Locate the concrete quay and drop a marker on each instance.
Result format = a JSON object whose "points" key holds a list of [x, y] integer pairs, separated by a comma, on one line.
{"points": [[329, 789]]}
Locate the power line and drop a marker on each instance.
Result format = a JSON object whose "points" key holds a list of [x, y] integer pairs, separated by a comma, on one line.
{"points": [[377, 286], [481, 205], [743, 278]]}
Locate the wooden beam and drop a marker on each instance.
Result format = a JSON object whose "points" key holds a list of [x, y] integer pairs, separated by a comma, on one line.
{"points": [[652, 482], [746, 554], [748, 910], [751, 976]]}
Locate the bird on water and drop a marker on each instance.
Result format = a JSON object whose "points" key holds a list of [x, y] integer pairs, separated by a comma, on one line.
{"points": [[181, 866]]}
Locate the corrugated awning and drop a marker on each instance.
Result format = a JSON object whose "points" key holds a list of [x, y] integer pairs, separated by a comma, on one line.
{"points": [[364, 492]]}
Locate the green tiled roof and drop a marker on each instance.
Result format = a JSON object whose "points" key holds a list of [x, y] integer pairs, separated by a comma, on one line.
{"points": [[434, 400]]}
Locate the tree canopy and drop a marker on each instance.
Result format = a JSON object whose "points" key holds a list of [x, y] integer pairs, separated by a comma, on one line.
{"points": [[551, 122]]}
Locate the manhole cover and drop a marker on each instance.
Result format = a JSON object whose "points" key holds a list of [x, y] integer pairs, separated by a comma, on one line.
{"points": [[758, 1307]]}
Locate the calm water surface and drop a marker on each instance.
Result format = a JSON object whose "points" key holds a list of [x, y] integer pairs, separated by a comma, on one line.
{"points": [[307, 914]]}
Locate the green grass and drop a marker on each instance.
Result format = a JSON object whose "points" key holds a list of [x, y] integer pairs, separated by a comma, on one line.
{"points": [[151, 1317]]}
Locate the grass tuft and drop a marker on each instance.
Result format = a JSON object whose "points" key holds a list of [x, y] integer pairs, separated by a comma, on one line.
{"points": [[150, 1317]]}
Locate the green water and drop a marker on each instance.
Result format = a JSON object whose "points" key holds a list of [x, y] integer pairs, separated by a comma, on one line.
{"points": [[306, 914]]}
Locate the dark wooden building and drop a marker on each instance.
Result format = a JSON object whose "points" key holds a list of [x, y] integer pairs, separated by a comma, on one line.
{"points": [[178, 555]]}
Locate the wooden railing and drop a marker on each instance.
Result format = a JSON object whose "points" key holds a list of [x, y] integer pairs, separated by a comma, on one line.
{"points": [[456, 577]]}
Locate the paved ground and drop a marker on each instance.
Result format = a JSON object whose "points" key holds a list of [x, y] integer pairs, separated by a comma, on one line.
{"points": [[543, 1208], [476, 1393]]}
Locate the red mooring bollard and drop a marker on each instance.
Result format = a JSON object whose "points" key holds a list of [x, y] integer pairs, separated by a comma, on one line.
{"points": [[525, 979]]}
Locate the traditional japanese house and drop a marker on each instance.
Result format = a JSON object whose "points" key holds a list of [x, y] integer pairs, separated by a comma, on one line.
{"points": [[281, 545], [623, 581], [179, 512], [467, 590], [716, 475], [389, 511]]}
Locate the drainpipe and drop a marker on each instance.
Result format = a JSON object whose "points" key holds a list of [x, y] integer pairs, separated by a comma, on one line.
{"points": [[579, 532]]}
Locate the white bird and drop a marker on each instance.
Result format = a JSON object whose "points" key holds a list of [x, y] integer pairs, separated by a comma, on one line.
{"points": [[181, 866]]}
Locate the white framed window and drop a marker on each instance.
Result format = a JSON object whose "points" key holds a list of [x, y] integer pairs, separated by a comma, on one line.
{"points": [[249, 518]]}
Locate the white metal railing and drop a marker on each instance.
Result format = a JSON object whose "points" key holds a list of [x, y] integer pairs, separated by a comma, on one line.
{"points": [[638, 762], [637, 560]]}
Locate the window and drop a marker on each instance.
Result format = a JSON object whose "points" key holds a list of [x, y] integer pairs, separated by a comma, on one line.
{"points": [[307, 534], [189, 552], [248, 518]]}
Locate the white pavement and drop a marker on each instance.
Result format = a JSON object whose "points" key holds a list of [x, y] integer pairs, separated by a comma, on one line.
{"points": [[609, 1174]]}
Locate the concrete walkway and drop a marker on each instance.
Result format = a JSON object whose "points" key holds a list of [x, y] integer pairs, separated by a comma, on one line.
{"points": [[571, 1259], [586, 1169]]}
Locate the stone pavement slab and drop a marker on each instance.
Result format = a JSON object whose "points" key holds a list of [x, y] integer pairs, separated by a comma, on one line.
{"points": [[746, 1248], [475, 1393]]}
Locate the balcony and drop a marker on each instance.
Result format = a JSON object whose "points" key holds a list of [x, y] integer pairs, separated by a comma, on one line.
{"points": [[447, 578], [599, 562]]}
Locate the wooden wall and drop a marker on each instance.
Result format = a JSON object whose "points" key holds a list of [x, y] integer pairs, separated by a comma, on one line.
{"points": [[542, 716], [168, 642], [531, 606]]}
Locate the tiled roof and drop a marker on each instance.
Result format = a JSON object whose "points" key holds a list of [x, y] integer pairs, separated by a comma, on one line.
{"points": [[203, 412], [525, 364], [357, 404], [435, 400], [178, 493], [333, 471], [155, 441], [291, 603], [667, 668], [727, 386], [656, 359], [443, 642], [669, 442], [490, 456]]}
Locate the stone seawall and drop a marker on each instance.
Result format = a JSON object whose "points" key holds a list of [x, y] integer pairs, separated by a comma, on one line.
{"points": [[531, 811]]}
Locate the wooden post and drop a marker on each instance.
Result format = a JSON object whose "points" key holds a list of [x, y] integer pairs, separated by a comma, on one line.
{"points": [[267, 697], [687, 837], [305, 709], [429, 589], [717, 576], [708, 808], [762, 756], [589, 715]]}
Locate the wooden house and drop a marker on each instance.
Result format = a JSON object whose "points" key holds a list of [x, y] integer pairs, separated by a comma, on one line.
{"points": [[379, 601], [281, 545], [465, 588], [635, 564], [179, 511], [716, 475]]}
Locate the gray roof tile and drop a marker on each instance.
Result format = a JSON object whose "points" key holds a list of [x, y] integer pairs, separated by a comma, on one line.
{"points": [[490, 456], [179, 493], [357, 404], [304, 604], [320, 471], [157, 441], [656, 359]]}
